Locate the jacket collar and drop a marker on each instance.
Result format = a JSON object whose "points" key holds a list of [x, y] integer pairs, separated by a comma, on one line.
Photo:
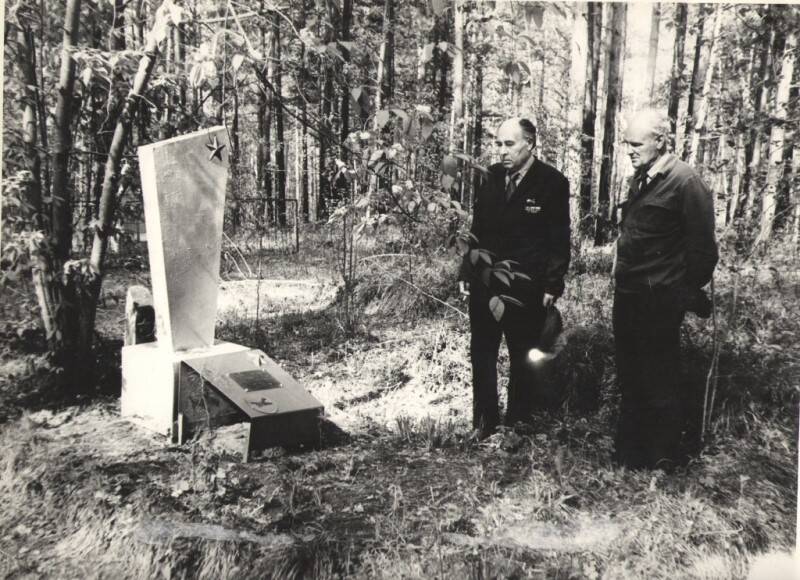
{"points": [[520, 174], [661, 166], [527, 173]]}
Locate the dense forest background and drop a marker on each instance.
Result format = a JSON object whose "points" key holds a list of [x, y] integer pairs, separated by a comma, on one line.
{"points": [[359, 131]]}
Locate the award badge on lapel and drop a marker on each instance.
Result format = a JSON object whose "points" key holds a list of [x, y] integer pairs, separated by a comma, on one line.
{"points": [[531, 207]]}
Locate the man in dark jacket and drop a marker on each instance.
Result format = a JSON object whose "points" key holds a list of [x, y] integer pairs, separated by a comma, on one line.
{"points": [[521, 214], [666, 252]]}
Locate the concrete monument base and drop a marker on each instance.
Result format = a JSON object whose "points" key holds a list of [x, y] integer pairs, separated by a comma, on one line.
{"points": [[179, 394], [150, 376]]}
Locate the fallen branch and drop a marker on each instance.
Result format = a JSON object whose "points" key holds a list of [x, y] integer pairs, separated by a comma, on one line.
{"points": [[388, 256]]}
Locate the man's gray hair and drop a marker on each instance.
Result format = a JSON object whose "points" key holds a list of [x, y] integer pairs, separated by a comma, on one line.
{"points": [[656, 119]]}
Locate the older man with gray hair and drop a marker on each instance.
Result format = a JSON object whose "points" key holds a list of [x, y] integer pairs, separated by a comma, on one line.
{"points": [[666, 253]]}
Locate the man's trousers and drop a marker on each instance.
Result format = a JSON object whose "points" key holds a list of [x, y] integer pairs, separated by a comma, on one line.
{"points": [[521, 327], [652, 388]]}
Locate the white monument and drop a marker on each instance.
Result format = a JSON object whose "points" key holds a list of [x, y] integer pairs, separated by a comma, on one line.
{"points": [[186, 381]]}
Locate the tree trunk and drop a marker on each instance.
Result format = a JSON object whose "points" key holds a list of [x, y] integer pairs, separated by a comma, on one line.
{"points": [[743, 100], [477, 130], [27, 63], [613, 79], [698, 78], [761, 91], [441, 60], [118, 26], [652, 53], [79, 287], [344, 110], [696, 149], [329, 34], [280, 157], [594, 27], [116, 179], [795, 200], [775, 160], [457, 109], [579, 73], [676, 80], [62, 191], [383, 82]]}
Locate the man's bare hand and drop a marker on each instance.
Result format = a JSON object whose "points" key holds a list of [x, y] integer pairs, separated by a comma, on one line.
{"points": [[463, 289], [548, 300]]}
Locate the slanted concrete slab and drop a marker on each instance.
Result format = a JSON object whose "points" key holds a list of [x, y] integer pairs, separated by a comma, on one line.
{"points": [[221, 389], [183, 184]]}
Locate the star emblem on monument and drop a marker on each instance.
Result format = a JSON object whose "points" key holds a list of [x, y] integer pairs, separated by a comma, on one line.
{"points": [[215, 148]]}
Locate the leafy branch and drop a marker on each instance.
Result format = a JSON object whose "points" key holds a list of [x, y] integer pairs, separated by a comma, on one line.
{"points": [[503, 271]]}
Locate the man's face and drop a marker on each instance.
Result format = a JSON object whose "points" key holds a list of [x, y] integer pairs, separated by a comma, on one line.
{"points": [[513, 148], [644, 146]]}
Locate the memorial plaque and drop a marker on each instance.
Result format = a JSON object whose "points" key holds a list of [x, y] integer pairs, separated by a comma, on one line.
{"points": [[255, 380]]}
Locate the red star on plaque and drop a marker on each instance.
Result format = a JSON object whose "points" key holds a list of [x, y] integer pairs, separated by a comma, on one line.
{"points": [[215, 148]]}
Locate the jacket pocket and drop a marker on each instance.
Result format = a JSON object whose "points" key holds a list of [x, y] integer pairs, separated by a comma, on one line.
{"points": [[657, 219]]}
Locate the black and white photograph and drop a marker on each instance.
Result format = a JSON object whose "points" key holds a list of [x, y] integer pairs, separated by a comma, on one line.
{"points": [[452, 289]]}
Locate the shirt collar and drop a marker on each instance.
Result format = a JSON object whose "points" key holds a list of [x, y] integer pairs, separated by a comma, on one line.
{"points": [[660, 165], [522, 171]]}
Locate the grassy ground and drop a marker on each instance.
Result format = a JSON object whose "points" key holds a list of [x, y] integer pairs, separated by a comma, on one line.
{"points": [[399, 490]]}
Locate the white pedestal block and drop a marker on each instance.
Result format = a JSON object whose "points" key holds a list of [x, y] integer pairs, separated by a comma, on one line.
{"points": [[150, 382]]}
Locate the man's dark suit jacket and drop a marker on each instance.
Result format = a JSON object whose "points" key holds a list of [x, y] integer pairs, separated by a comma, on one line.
{"points": [[531, 228]]}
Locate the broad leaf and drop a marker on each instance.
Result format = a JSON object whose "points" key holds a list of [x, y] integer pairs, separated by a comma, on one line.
{"points": [[448, 181], [496, 307], [381, 118], [486, 256], [449, 166], [503, 277], [511, 300], [474, 256]]}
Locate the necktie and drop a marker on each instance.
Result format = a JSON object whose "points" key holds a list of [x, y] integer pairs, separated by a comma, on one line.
{"points": [[511, 186]]}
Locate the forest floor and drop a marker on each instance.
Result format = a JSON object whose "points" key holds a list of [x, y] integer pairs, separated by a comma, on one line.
{"points": [[398, 489]]}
